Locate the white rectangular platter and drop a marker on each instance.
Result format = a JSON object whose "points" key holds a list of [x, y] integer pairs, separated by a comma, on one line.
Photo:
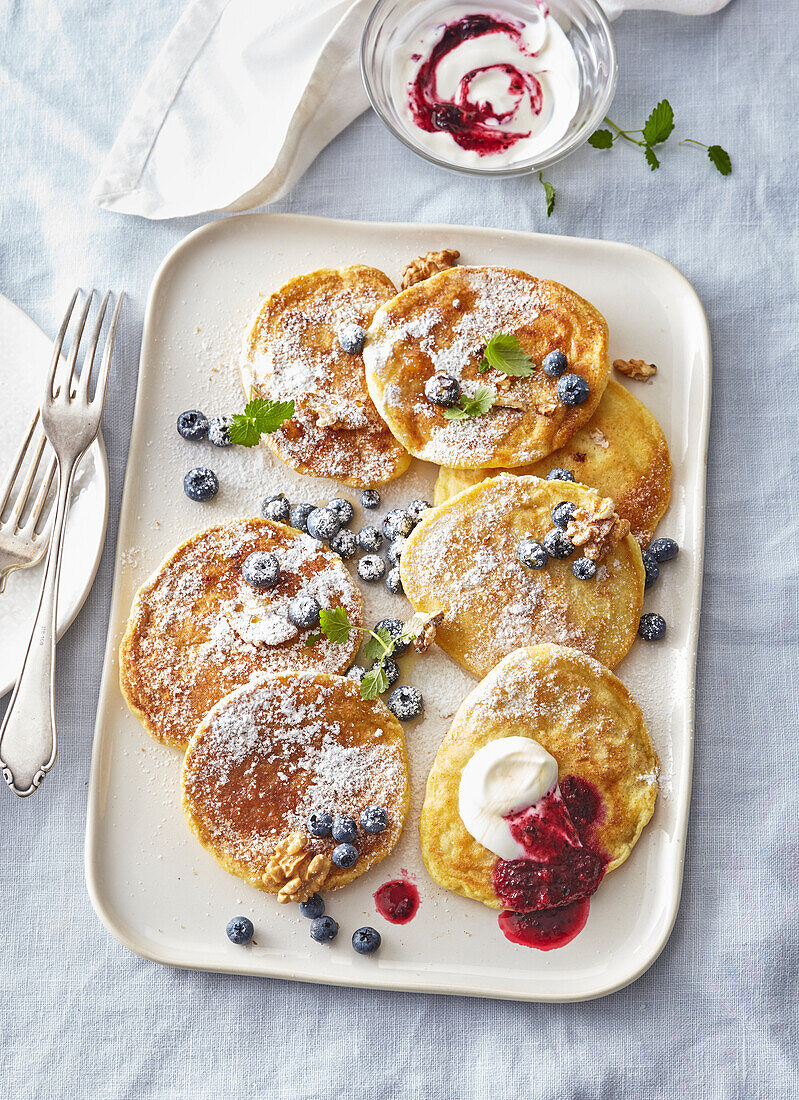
{"points": [[152, 885]]}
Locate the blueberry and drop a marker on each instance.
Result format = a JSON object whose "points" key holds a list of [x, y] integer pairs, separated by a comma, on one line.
{"points": [[651, 569], [442, 389], [276, 508], [344, 830], [417, 508], [395, 628], [343, 509], [406, 703], [298, 515], [652, 627], [397, 523], [319, 823], [558, 544], [559, 474], [374, 819], [394, 582], [572, 390], [532, 554], [304, 611], [371, 568], [664, 549], [555, 364], [345, 856], [562, 513], [391, 669], [366, 940], [356, 673], [324, 929], [201, 484], [261, 570], [323, 523], [344, 543], [584, 569], [351, 337], [312, 907], [193, 425], [240, 930], [370, 539], [219, 430], [395, 550], [370, 498]]}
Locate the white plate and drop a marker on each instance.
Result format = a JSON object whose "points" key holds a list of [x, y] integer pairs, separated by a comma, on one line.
{"points": [[153, 886], [25, 353]]}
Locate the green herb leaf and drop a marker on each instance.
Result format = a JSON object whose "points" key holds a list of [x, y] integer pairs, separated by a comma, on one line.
{"points": [[601, 139], [651, 158], [482, 401], [720, 159], [379, 645], [505, 353], [549, 193], [312, 639], [261, 416], [244, 431], [659, 125], [335, 624], [374, 683]]}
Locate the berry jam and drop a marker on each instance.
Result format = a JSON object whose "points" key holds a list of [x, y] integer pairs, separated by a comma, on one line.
{"points": [[397, 901], [548, 929]]}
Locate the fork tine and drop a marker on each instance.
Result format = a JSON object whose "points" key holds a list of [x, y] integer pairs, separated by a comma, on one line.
{"points": [[18, 461], [75, 345], [105, 368], [88, 362], [27, 485], [36, 512], [58, 343]]}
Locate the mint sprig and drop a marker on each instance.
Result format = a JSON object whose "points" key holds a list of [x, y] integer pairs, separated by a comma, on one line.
{"points": [[336, 625], [504, 353], [261, 416], [471, 407], [549, 193]]}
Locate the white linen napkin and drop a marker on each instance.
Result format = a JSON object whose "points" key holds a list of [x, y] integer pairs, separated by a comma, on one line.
{"points": [[242, 98]]}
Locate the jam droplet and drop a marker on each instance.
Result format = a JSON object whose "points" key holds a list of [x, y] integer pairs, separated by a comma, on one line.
{"points": [[547, 929], [397, 901]]}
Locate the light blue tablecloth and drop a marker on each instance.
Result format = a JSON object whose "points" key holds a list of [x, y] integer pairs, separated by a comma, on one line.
{"points": [[716, 1015]]}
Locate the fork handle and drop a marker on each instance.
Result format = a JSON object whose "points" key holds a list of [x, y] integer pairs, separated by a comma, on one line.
{"points": [[28, 738]]}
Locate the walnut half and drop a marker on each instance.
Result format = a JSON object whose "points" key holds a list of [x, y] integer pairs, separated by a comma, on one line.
{"points": [[297, 872], [429, 264], [597, 528], [635, 368]]}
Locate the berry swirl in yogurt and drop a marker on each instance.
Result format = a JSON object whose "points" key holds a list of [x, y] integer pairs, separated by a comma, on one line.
{"points": [[487, 88]]}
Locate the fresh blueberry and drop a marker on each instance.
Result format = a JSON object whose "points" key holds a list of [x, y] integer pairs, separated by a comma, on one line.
{"points": [[651, 569], [572, 390], [319, 823], [406, 703], [371, 568], [322, 523], [664, 549], [356, 673], [584, 569], [304, 611], [312, 907], [261, 569], [193, 425], [532, 554], [395, 628], [276, 508], [562, 513], [555, 364], [201, 484], [298, 515], [370, 498], [344, 543], [324, 929], [351, 337], [559, 474], [652, 627], [240, 930], [344, 830], [397, 523], [395, 550], [219, 430], [374, 819], [345, 856], [417, 508], [391, 669], [394, 582], [343, 509], [442, 389], [366, 940], [558, 544], [370, 539]]}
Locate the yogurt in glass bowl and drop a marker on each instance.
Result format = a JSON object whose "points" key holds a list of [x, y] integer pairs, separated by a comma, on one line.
{"points": [[490, 89]]}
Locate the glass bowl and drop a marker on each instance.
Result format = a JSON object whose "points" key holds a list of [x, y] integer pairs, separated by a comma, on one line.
{"points": [[392, 25]]}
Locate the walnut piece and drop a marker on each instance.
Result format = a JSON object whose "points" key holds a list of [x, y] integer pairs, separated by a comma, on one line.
{"points": [[597, 528], [424, 627], [297, 872], [635, 368], [429, 264]]}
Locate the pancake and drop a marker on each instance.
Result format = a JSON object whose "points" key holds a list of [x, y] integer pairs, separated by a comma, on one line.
{"points": [[197, 630], [442, 324], [462, 560], [581, 714], [277, 749], [292, 351], [621, 452]]}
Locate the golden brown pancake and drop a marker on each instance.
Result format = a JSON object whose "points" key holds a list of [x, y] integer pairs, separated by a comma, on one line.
{"points": [[442, 324], [581, 714], [621, 452], [277, 749], [462, 560], [197, 630], [292, 351]]}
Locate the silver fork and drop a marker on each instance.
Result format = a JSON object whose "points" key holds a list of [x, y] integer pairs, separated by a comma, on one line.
{"points": [[71, 419], [22, 543]]}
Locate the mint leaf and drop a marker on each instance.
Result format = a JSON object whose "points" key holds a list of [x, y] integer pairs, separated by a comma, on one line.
{"points": [[601, 139], [504, 353], [659, 125], [482, 401], [549, 194], [335, 624], [651, 158], [720, 159], [312, 639], [379, 645], [374, 683], [261, 416], [243, 431]]}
